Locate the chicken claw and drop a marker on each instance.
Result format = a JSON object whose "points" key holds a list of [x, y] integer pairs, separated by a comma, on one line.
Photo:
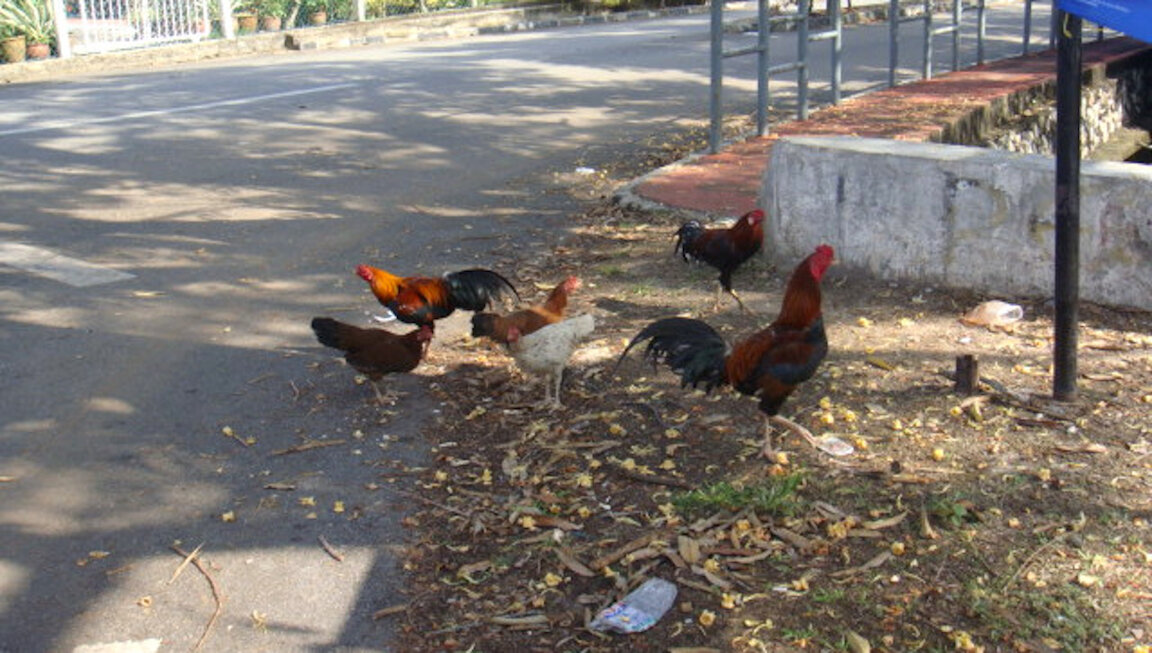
{"points": [[830, 445]]}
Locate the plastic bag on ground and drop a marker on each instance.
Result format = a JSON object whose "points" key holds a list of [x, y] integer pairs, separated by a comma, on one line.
{"points": [[639, 610]]}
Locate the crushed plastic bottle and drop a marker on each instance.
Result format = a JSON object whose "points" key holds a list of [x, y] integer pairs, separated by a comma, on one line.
{"points": [[639, 610], [833, 446], [993, 313]]}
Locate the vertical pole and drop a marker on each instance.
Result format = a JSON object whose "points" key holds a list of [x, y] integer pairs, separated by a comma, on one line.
{"points": [[802, 57], [227, 28], [837, 51], [957, 15], [981, 31], [893, 40], [60, 19], [1067, 281], [926, 71], [717, 82], [762, 36], [361, 11], [1027, 40]]}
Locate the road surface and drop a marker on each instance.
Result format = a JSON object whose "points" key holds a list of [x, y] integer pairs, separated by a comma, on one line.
{"points": [[166, 238]]}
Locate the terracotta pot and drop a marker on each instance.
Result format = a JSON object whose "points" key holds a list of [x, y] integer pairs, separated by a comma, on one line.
{"points": [[38, 50], [318, 17], [246, 22], [270, 23], [13, 49]]}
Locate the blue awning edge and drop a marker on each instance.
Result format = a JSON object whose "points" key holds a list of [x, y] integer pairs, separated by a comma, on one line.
{"points": [[1131, 17]]}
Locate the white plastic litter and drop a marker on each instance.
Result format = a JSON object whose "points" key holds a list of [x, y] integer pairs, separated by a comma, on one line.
{"points": [[993, 313], [639, 610], [833, 446]]}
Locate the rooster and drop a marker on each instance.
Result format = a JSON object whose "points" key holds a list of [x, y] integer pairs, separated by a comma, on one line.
{"points": [[723, 249], [423, 300], [527, 320], [547, 350], [373, 352], [769, 363]]}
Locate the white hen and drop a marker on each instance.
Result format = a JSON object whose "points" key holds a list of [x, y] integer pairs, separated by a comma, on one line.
{"points": [[546, 351]]}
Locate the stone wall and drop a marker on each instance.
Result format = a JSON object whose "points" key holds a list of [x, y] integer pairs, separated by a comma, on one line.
{"points": [[1111, 99], [978, 218]]}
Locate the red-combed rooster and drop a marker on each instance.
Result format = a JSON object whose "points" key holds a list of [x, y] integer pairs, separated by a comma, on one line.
{"points": [[528, 320], [724, 249], [374, 352], [769, 363], [423, 300]]}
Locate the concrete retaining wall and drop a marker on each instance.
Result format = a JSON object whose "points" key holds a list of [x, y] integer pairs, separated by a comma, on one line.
{"points": [[958, 216]]}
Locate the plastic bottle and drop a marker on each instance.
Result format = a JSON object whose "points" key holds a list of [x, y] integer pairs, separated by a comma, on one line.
{"points": [[639, 610], [993, 313]]}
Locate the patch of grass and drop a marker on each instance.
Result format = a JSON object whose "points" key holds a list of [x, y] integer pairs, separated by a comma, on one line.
{"points": [[953, 511], [1063, 614], [799, 635], [822, 595], [775, 496]]}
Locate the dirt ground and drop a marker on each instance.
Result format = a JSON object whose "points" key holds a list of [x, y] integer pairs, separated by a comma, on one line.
{"points": [[1000, 521]]}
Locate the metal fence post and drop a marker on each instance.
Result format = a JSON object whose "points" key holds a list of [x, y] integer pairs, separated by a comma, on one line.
{"points": [[717, 81], [762, 91], [926, 69], [802, 58], [893, 40], [837, 51], [957, 14], [1067, 252], [981, 31]]}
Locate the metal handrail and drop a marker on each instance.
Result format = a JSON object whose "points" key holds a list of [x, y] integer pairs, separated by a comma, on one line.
{"points": [[764, 69]]}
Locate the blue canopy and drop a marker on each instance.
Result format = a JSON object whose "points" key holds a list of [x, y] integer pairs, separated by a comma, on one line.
{"points": [[1131, 17]]}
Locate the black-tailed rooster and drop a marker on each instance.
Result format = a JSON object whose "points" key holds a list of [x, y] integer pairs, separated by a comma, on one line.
{"points": [[423, 300], [724, 249], [769, 363]]}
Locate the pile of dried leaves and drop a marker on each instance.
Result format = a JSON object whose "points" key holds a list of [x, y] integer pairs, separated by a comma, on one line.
{"points": [[998, 521]]}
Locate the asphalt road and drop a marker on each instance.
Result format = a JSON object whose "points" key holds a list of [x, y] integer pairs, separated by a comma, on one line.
{"points": [[166, 237]]}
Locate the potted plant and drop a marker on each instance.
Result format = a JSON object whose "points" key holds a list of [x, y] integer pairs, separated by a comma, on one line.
{"points": [[12, 44], [271, 14], [31, 19], [244, 13], [315, 10]]}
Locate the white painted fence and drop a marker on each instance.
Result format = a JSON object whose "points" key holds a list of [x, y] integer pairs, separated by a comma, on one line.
{"points": [[105, 25]]}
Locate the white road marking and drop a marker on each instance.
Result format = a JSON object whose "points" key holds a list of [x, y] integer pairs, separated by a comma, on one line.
{"points": [[139, 646], [58, 267], [135, 115]]}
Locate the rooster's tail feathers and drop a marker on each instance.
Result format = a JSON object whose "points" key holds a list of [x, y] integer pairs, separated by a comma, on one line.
{"points": [[685, 236], [689, 347], [331, 333], [475, 289]]}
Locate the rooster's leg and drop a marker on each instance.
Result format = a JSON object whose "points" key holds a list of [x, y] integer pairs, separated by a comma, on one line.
{"points": [[556, 395], [547, 391], [739, 301], [376, 389], [383, 397], [767, 450], [795, 428]]}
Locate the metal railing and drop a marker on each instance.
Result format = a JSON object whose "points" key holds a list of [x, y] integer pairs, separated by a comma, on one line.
{"points": [[801, 19], [764, 70], [930, 31]]}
